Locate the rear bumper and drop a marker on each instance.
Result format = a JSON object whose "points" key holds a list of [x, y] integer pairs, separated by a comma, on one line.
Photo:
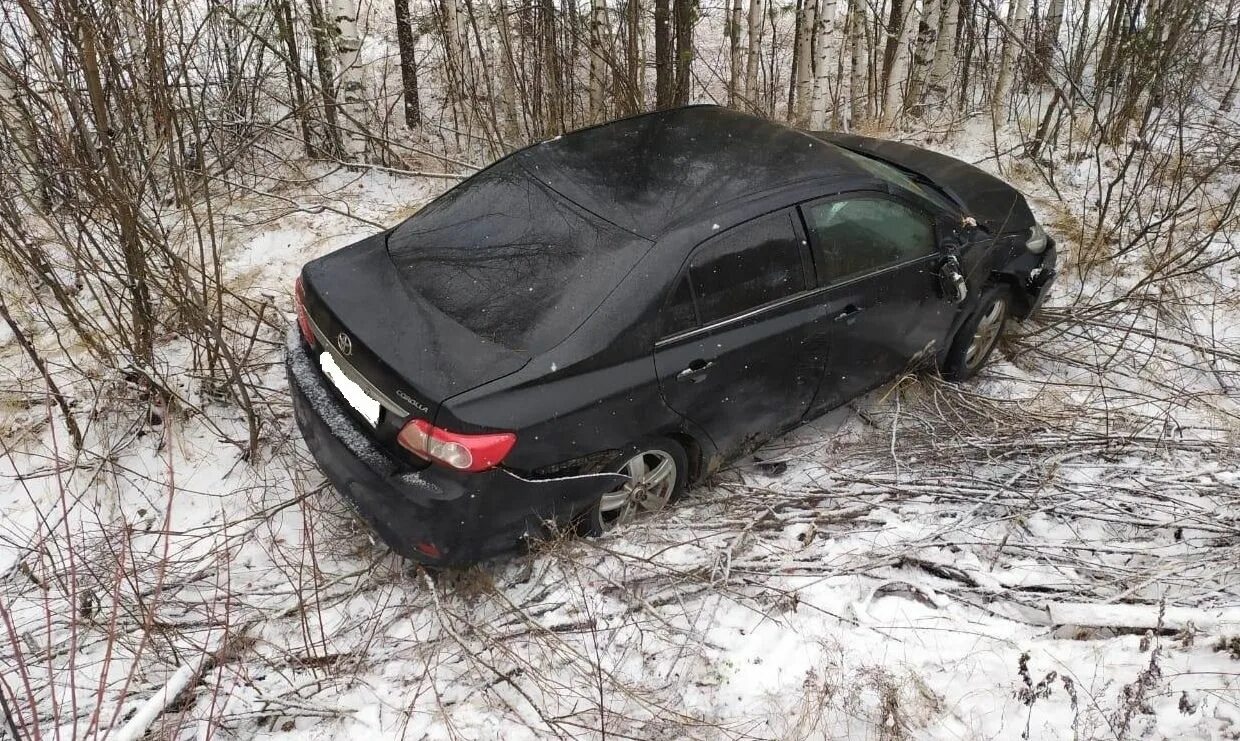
{"points": [[463, 517]]}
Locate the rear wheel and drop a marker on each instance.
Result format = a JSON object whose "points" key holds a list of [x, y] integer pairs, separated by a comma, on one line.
{"points": [[977, 337], [656, 472]]}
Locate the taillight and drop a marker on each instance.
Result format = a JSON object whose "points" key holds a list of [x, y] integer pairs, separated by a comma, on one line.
{"points": [[303, 318], [462, 452]]}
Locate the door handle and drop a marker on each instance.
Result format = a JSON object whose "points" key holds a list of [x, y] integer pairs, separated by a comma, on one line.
{"points": [[696, 371], [849, 313]]}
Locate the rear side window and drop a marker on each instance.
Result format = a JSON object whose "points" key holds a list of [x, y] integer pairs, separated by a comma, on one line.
{"points": [[856, 236], [679, 314], [743, 268], [747, 266]]}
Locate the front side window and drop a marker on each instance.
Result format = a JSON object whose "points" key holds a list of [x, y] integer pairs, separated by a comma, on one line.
{"points": [[856, 236]]}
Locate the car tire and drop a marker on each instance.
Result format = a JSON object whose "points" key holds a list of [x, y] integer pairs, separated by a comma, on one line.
{"points": [[979, 335], [624, 504]]}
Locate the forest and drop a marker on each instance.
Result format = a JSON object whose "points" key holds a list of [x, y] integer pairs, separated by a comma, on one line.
{"points": [[1051, 551]]}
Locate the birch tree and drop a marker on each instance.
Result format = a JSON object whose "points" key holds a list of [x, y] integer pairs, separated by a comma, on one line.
{"points": [[634, 68], [598, 67], [753, 50], [507, 71], [453, 33], [893, 101], [803, 80], [858, 86], [825, 61], [349, 73], [923, 54], [1017, 18], [944, 59]]}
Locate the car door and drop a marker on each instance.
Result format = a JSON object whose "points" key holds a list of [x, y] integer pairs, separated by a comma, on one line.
{"points": [[731, 355], [877, 261]]}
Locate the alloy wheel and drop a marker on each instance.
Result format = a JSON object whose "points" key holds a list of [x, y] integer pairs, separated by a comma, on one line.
{"points": [[652, 479], [986, 334]]}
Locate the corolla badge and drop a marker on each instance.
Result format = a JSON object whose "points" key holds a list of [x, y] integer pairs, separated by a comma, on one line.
{"points": [[344, 343], [416, 404]]}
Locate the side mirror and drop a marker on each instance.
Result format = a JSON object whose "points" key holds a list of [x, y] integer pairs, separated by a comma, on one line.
{"points": [[952, 280]]}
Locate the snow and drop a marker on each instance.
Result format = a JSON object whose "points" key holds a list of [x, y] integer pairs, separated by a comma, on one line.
{"points": [[1050, 551]]}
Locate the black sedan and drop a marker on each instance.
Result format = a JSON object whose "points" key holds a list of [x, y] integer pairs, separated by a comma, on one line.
{"points": [[572, 335]]}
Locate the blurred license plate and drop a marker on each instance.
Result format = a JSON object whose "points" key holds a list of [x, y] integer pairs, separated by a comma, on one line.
{"points": [[363, 402]]}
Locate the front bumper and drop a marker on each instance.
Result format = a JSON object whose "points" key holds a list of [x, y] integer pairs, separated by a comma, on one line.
{"points": [[1041, 278], [461, 517]]}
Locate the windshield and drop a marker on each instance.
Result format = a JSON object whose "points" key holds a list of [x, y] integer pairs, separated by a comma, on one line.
{"points": [[901, 178], [511, 260]]}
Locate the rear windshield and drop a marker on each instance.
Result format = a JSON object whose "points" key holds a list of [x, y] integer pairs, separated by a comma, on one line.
{"points": [[511, 260]]}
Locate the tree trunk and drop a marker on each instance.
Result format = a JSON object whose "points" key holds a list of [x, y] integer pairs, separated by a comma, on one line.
{"points": [[893, 100], [632, 56], [327, 84], [1007, 65], [824, 50], [859, 97], [664, 83], [896, 20], [14, 118], [923, 54], [508, 77], [684, 12], [752, 51], [408, 64], [803, 81], [292, 65], [1048, 39], [941, 71], [735, 57], [598, 67], [349, 72], [1229, 98], [551, 68]]}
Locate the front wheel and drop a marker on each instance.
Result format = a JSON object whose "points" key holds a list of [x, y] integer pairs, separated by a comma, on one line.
{"points": [[979, 334], [656, 472]]}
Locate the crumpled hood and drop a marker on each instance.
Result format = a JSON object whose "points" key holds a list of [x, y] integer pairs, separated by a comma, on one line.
{"points": [[997, 206]]}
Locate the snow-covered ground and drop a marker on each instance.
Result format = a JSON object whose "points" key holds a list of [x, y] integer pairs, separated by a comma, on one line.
{"points": [[1051, 551]]}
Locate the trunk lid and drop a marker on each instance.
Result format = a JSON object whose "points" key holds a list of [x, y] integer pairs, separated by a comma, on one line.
{"points": [[386, 338]]}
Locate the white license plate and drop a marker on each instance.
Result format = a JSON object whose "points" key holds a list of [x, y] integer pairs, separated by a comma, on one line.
{"points": [[364, 403]]}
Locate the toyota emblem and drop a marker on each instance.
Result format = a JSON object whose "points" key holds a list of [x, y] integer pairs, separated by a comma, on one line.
{"points": [[345, 344]]}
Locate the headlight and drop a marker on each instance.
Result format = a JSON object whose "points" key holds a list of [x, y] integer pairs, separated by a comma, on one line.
{"points": [[1038, 240]]}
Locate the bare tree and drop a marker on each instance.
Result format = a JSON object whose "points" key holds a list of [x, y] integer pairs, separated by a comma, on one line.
{"points": [[685, 12], [734, 21], [664, 80], [753, 50], [407, 44], [1012, 41], [598, 56], [859, 94], [803, 79], [825, 50], [893, 101]]}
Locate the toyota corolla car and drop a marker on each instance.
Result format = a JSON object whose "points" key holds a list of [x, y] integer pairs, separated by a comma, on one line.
{"points": [[572, 335]]}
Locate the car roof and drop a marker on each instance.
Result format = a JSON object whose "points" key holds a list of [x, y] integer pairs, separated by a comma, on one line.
{"points": [[649, 172]]}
